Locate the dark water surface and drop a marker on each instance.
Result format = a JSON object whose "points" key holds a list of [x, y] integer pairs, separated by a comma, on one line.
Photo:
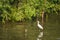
{"points": [[29, 30], [52, 28]]}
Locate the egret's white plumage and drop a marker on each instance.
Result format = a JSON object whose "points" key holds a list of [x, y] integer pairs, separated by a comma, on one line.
{"points": [[39, 25]]}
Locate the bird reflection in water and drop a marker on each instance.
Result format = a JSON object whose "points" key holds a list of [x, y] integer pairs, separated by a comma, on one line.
{"points": [[40, 36]]}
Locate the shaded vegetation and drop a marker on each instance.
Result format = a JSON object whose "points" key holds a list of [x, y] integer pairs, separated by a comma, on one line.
{"points": [[18, 10]]}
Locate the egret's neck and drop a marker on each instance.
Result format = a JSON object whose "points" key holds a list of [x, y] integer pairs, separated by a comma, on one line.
{"points": [[38, 22]]}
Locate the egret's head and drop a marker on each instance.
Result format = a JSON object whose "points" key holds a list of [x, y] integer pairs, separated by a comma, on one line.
{"points": [[37, 21]]}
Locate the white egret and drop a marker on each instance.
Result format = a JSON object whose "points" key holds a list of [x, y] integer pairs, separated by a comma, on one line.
{"points": [[39, 25]]}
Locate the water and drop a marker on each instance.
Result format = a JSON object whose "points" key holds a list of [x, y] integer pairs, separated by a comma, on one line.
{"points": [[51, 28], [30, 31]]}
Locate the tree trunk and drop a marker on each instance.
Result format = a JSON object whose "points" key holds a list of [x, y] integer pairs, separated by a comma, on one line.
{"points": [[42, 18]]}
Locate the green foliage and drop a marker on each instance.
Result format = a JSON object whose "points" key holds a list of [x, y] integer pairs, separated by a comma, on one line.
{"points": [[18, 10]]}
